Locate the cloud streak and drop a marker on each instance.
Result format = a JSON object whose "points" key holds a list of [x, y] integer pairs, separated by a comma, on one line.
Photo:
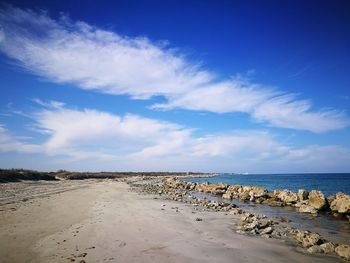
{"points": [[65, 51], [10, 143]]}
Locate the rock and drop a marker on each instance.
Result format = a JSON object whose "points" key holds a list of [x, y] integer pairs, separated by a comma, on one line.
{"points": [[307, 209], [306, 238], [266, 231], [343, 251], [341, 204], [276, 192], [247, 217], [314, 249], [227, 195], [254, 232], [234, 188], [311, 240], [190, 186], [219, 189], [303, 195], [215, 189], [244, 196], [251, 226], [327, 248], [232, 192], [263, 223], [317, 200], [257, 192], [199, 219], [287, 196]]}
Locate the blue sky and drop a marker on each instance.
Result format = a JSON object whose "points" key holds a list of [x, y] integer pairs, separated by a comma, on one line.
{"points": [[228, 86]]}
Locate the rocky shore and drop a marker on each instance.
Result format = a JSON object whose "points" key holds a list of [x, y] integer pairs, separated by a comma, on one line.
{"points": [[255, 224], [305, 202]]}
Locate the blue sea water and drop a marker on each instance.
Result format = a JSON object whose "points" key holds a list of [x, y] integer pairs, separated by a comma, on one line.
{"points": [[333, 229], [327, 183]]}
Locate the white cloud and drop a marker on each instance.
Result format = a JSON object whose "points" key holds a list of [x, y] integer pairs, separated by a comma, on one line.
{"points": [[285, 111], [241, 144], [10, 143], [94, 140], [68, 128], [92, 58], [235, 95], [64, 51], [50, 104]]}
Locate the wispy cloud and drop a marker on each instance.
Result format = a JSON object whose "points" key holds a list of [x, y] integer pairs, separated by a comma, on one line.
{"points": [[66, 51], [300, 71], [10, 143]]}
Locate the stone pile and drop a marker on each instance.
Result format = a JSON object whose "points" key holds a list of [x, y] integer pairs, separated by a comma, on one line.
{"points": [[304, 201], [256, 224]]}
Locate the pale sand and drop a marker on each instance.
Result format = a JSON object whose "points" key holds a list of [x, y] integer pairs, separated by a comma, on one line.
{"points": [[112, 224]]}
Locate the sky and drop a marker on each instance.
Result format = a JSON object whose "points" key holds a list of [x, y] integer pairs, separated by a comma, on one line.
{"points": [[207, 86]]}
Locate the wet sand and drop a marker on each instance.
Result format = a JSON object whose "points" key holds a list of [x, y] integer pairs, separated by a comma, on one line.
{"points": [[104, 221]]}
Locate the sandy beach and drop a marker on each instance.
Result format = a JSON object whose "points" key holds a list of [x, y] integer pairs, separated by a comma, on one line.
{"points": [[104, 221]]}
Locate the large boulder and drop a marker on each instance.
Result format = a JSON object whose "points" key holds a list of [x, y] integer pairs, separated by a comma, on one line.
{"points": [[287, 196], [306, 238], [215, 189], [232, 191], [219, 189], [343, 251], [341, 204], [257, 192], [252, 193], [317, 200], [311, 239], [234, 188], [202, 187], [314, 249], [327, 248]]}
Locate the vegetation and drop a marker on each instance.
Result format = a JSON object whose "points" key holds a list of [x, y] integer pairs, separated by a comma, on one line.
{"points": [[15, 175]]}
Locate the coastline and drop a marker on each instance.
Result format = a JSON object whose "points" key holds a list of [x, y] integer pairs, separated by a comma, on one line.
{"points": [[110, 221], [258, 224]]}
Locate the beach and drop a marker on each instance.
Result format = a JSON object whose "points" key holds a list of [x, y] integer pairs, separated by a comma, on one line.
{"points": [[107, 221]]}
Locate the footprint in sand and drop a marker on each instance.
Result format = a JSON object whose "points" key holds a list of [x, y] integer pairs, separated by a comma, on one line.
{"points": [[122, 244]]}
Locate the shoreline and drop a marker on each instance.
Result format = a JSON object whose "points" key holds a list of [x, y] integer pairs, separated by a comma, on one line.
{"points": [[111, 221], [251, 223], [309, 202]]}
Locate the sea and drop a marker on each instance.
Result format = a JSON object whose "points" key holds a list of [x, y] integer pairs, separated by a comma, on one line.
{"points": [[328, 183], [333, 229]]}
